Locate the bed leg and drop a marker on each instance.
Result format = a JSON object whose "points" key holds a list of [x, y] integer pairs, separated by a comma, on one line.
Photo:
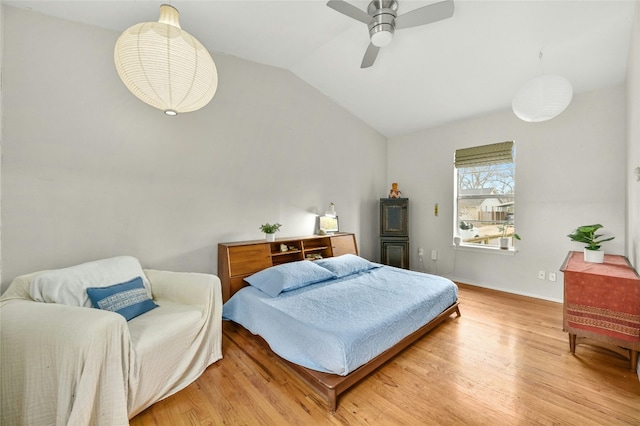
{"points": [[458, 311], [333, 401]]}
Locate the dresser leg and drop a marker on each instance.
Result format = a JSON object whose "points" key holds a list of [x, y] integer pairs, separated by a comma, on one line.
{"points": [[633, 359], [572, 343]]}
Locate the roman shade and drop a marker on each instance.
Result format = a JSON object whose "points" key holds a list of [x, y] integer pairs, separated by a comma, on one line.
{"points": [[485, 155]]}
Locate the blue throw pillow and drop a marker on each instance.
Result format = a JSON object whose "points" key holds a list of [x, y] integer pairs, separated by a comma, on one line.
{"points": [[129, 299], [346, 264], [289, 276]]}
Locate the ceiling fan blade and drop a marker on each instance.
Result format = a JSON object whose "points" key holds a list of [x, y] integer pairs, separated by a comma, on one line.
{"points": [[425, 15], [370, 56], [349, 10]]}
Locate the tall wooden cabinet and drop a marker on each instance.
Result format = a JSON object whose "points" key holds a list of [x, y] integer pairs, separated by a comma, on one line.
{"points": [[394, 232], [237, 260]]}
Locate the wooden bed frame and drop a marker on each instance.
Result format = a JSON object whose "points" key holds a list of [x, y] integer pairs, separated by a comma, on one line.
{"points": [[330, 386]]}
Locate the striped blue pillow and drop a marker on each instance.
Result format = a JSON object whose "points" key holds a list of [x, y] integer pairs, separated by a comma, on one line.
{"points": [[129, 299]]}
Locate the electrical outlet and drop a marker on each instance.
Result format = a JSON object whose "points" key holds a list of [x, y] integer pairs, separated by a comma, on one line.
{"points": [[541, 275], [420, 251], [552, 276], [434, 254]]}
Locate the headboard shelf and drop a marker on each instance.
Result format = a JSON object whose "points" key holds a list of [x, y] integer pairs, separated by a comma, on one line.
{"points": [[237, 260], [316, 248], [285, 253]]}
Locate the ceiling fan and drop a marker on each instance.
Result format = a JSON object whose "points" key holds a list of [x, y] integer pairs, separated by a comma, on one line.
{"points": [[382, 20]]}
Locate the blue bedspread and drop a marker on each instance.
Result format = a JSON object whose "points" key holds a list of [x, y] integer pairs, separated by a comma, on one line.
{"points": [[338, 325]]}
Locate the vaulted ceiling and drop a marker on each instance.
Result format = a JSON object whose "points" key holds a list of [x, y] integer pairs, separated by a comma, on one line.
{"points": [[470, 64]]}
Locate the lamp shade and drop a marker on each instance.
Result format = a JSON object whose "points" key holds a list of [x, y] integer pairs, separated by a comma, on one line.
{"points": [[382, 35], [331, 212], [165, 66], [542, 98]]}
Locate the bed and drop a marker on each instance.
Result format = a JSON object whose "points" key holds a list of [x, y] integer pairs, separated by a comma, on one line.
{"points": [[336, 320]]}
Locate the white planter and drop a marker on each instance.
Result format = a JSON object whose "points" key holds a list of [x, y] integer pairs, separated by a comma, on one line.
{"points": [[594, 256], [270, 237], [504, 243]]}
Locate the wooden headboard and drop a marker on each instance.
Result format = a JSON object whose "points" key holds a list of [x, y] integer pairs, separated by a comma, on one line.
{"points": [[237, 260]]}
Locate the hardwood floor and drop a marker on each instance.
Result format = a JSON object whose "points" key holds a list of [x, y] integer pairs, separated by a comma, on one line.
{"points": [[506, 360]]}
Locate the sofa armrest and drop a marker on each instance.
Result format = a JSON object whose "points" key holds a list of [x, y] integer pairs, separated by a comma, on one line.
{"points": [[62, 364], [189, 288]]}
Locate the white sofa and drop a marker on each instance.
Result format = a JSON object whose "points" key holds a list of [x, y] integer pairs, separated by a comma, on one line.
{"points": [[79, 365]]}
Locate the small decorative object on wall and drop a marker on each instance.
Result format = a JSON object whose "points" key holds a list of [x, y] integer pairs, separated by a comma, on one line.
{"points": [[587, 234], [270, 230], [395, 192]]}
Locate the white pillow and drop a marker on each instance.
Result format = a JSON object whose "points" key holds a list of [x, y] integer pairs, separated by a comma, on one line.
{"points": [[68, 286]]}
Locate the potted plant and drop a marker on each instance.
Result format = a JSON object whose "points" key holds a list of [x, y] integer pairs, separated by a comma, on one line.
{"points": [[270, 230], [587, 234], [504, 235]]}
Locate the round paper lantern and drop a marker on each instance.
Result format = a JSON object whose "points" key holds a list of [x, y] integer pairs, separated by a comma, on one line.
{"points": [[165, 66], [542, 98]]}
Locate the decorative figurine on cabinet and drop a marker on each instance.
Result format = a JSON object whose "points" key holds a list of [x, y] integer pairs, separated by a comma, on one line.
{"points": [[395, 192]]}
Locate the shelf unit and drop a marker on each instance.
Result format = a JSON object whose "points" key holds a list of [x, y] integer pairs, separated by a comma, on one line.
{"points": [[300, 248], [238, 260], [394, 232]]}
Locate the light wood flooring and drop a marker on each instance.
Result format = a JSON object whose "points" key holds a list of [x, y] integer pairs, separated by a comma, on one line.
{"points": [[505, 361]]}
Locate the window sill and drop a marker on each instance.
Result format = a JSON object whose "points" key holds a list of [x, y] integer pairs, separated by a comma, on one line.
{"points": [[511, 251]]}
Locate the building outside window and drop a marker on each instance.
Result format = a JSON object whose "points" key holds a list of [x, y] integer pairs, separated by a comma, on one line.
{"points": [[484, 199]]}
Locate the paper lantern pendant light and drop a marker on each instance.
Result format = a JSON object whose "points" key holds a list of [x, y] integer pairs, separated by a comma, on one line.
{"points": [[542, 98], [164, 66]]}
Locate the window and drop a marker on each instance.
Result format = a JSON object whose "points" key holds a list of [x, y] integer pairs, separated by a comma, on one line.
{"points": [[485, 195]]}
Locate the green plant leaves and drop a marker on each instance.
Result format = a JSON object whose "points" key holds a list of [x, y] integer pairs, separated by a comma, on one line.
{"points": [[587, 234], [270, 229]]}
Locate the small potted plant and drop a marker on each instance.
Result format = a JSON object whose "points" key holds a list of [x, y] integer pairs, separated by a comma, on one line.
{"points": [[587, 234], [270, 230], [504, 235]]}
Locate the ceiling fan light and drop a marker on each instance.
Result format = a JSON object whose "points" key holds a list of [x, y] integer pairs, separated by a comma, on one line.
{"points": [[382, 35], [542, 98], [164, 66]]}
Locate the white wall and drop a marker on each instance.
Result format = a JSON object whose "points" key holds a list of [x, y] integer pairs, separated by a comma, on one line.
{"points": [[89, 171], [570, 171], [633, 145]]}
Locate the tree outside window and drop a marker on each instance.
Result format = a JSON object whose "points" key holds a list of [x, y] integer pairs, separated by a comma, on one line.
{"points": [[485, 194]]}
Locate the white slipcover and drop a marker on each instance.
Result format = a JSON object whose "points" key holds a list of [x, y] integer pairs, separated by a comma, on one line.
{"points": [[83, 366]]}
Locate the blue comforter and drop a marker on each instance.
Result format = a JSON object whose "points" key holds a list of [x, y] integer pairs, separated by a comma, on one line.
{"points": [[336, 326]]}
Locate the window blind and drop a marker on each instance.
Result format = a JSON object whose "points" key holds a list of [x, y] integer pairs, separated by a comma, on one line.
{"points": [[485, 155]]}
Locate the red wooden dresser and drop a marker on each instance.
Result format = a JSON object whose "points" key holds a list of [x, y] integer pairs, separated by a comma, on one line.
{"points": [[602, 304]]}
